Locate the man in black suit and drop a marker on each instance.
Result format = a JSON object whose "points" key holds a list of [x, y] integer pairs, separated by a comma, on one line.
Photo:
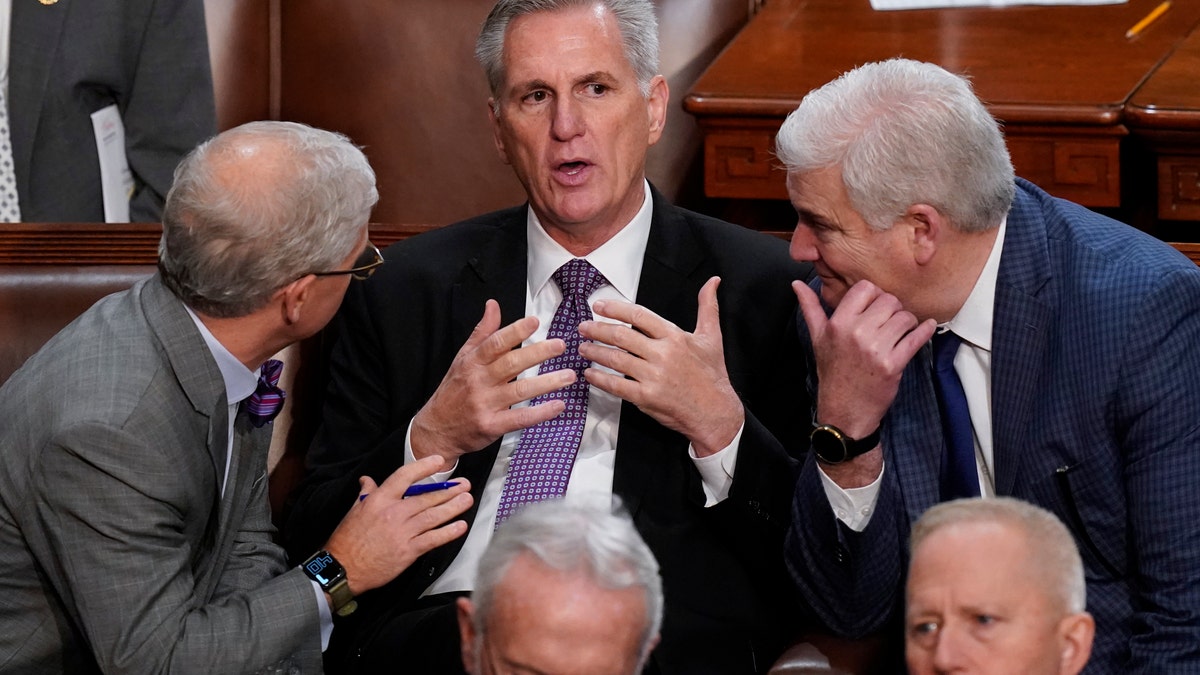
{"points": [[688, 410]]}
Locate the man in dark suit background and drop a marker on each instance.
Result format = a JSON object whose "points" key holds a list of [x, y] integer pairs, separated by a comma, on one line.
{"points": [[69, 59], [1078, 344], [688, 411], [135, 533]]}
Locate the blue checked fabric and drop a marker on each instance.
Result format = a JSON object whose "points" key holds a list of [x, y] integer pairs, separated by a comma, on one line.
{"points": [[541, 465], [267, 400], [959, 476], [10, 208]]}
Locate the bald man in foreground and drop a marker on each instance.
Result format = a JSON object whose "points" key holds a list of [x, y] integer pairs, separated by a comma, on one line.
{"points": [[995, 586]]}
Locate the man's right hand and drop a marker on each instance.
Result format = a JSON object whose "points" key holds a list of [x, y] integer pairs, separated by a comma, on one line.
{"points": [[384, 532], [861, 352], [472, 407]]}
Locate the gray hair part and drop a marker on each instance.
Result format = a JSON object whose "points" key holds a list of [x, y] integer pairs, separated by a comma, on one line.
{"points": [[904, 132], [257, 207], [586, 539], [636, 19]]}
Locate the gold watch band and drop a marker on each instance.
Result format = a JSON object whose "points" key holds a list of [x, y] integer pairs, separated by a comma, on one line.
{"points": [[343, 600]]}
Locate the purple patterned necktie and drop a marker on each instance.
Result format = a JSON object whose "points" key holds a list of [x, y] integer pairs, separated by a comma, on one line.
{"points": [[267, 400], [541, 465]]}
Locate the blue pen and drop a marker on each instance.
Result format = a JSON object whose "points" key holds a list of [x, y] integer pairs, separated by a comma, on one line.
{"points": [[420, 489]]}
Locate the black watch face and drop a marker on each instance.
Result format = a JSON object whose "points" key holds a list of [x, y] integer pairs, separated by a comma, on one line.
{"points": [[828, 445], [323, 569]]}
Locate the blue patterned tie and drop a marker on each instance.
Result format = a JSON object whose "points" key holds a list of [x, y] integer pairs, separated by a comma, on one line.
{"points": [[267, 400], [959, 475], [541, 465]]}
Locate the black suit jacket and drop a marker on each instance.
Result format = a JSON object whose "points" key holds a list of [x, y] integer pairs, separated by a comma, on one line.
{"points": [[73, 57], [728, 607]]}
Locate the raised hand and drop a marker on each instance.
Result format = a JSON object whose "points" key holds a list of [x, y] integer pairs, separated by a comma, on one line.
{"points": [[676, 377], [861, 352], [472, 406]]}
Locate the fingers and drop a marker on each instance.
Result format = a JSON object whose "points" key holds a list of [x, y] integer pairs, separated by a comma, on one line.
{"points": [[911, 343], [486, 326], [637, 316], [810, 307], [708, 312], [403, 478]]}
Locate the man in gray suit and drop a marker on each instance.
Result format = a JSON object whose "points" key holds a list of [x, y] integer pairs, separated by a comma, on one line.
{"points": [[135, 533], [67, 60]]}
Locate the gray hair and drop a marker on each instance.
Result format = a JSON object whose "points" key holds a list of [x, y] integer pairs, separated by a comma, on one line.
{"points": [[639, 33], [1052, 550], [904, 132], [257, 207], [589, 540]]}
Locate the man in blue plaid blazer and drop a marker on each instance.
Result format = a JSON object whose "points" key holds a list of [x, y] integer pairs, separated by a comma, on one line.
{"points": [[1079, 363]]}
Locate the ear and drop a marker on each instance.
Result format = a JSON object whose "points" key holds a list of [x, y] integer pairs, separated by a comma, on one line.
{"points": [[656, 107], [1076, 632], [466, 632], [927, 227], [493, 107], [293, 297]]}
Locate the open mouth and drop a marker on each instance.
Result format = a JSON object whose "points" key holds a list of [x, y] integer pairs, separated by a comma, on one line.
{"points": [[572, 168]]}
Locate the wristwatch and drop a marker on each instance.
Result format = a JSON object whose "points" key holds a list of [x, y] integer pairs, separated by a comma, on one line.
{"points": [[329, 574], [833, 446]]}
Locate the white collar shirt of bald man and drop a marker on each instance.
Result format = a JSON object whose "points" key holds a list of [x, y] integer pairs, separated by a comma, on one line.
{"points": [[620, 261], [973, 363]]}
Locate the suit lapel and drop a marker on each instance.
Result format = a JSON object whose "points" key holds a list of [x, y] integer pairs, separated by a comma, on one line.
{"points": [[193, 366], [34, 46], [495, 270], [668, 286], [1023, 309], [914, 423]]}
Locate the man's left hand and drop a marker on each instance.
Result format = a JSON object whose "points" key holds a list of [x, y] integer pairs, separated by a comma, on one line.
{"points": [[676, 377]]}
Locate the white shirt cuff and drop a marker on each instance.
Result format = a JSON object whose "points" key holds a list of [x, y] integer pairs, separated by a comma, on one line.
{"points": [[409, 458], [852, 506], [716, 470], [326, 615]]}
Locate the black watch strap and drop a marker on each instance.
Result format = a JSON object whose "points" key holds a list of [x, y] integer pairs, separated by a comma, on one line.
{"points": [[833, 446]]}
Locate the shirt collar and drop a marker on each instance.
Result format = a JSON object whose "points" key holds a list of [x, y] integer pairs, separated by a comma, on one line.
{"points": [[240, 382], [973, 323], [619, 259]]}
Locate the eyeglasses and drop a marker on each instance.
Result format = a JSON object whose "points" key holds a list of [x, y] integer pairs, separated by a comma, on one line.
{"points": [[364, 264]]}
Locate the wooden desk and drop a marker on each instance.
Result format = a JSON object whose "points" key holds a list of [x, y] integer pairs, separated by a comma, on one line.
{"points": [[1165, 113], [1058, 78]]}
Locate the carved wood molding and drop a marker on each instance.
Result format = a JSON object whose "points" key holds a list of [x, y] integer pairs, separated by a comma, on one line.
{"points": [[118, 243]]}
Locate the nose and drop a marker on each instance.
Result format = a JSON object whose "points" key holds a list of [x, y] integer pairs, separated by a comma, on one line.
{"points": [[568, 119], [804, 244], [947, 652]]}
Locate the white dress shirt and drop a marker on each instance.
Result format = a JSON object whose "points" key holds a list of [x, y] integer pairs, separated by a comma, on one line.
{"points": [[620, 261], [973, 363]]}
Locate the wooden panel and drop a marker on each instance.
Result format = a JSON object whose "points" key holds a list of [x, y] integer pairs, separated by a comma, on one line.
{"points": [[741, 163], [1191, 250], [243, 49], [118, 243], [1081, 169], [1179, 187], [1058, 77]]}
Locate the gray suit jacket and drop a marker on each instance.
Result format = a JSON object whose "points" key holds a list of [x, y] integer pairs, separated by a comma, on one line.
{"points": [[118, 552], [74, 57]]}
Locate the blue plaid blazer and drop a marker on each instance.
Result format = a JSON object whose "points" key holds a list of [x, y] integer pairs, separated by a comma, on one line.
{"points": [[1096, 417]]}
